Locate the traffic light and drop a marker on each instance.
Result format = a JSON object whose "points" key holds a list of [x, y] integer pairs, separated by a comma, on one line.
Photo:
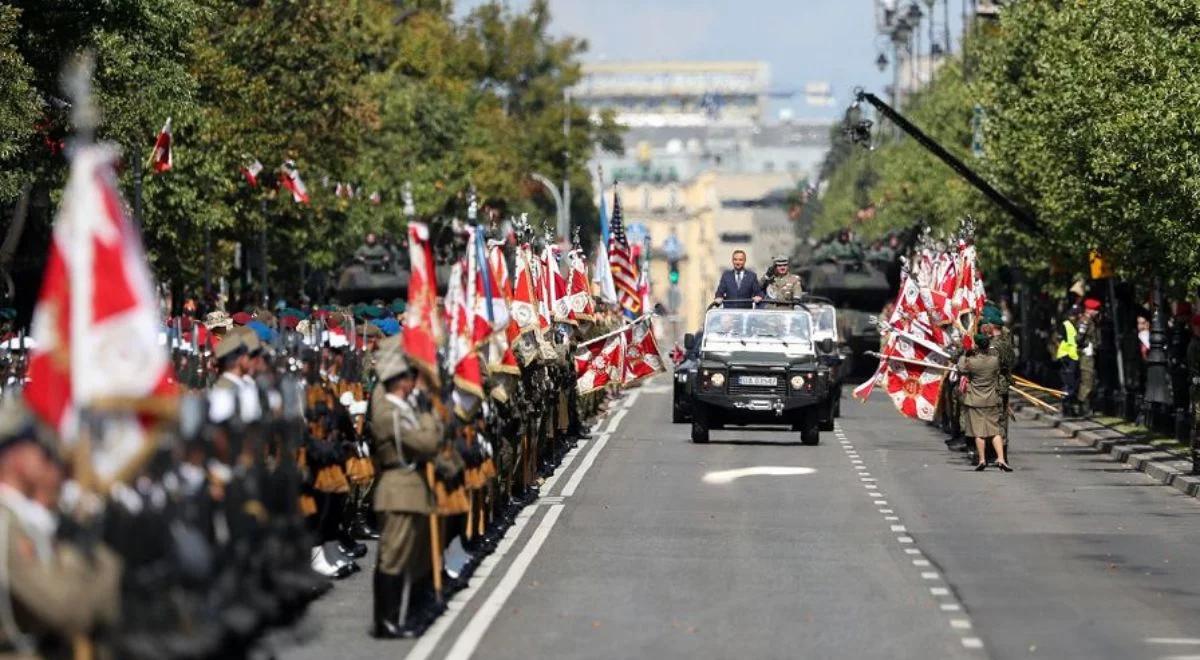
{"points": [[673, 272]]}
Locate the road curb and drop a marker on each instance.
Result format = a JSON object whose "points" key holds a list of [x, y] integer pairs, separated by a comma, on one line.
{"points": [[1164, 467]]}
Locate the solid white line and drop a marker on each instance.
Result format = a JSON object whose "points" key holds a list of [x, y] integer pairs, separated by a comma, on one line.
{"points": [[616, 419], [469, 640], [566, 463], [584, 466], [429, 641], [1173, 640], [972, 642]]}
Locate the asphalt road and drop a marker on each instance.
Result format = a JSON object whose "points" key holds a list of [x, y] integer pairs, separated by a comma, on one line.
{"points": [[877, 543]]}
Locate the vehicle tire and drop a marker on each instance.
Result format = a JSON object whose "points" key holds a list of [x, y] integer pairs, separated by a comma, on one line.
{"points": [[677, 415], [827, 418], [810, 430], [699, 427]]}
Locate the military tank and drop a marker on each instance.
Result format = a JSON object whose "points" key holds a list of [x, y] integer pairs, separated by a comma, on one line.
{"points": [[859, 289]]}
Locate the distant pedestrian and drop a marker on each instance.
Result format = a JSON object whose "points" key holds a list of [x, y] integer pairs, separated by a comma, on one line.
{"points": [[1067, 355], [1088, 341], [981, 402]]}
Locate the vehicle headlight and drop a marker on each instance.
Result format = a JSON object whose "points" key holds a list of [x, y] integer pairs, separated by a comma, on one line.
{"points": [[797, 382], [717, 379]]}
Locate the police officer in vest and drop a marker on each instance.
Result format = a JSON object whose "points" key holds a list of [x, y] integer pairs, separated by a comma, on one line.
{"points": [[780, 285], [1068, 361], [403, 437]]}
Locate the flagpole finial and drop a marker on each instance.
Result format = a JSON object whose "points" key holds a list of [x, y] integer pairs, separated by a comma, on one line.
{"points": [[77, 84], [575, 237], [472, 205]]}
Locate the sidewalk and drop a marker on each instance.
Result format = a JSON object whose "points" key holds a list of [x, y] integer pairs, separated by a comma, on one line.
{"points": [[1163, 459]]}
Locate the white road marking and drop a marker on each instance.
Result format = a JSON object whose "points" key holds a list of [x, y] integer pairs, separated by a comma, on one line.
{"points": [[891, 518], [882, 503], [429, 641], [885, 510], [469, 640], [1176, 641], [930, 575], [904, 539], [566, 463], [729, 476], [912, 551], [584, 466], [960, 624], [922, 563], [950, 607], [616, 419], [899, 528], [939, 591], [972, 642]]}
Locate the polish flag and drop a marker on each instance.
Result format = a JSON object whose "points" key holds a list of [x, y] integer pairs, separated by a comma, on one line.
{"points": [[251, 169], [422, 328], [95, 326], [461, 351], [579, 294], [292, 181], [642, 357], [599, 363], [160, 157]]}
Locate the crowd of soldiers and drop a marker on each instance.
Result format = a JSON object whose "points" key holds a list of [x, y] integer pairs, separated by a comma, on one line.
{"points": [[842, 246], [304, 432]]}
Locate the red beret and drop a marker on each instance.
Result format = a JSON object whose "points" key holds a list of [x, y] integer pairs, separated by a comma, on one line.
{"points": [[1091, 303], [241, 318]]}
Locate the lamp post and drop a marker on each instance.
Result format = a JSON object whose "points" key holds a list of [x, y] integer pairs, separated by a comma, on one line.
{"points": [[559, 204]]}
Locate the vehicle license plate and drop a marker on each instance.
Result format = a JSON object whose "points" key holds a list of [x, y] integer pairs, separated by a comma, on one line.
{"points": [[763, 381]]}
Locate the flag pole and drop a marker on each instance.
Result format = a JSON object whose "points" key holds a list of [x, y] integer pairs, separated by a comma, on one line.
{"points": [[921, 363], [618, 331]]}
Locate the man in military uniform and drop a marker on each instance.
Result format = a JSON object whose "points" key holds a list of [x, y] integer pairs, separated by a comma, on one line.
{"points": [[992, 324], [58, 594], [1089, 343], [843, 249], [230, 355], [1193, 366], [372, 254], [403, 437], [780, 285]]}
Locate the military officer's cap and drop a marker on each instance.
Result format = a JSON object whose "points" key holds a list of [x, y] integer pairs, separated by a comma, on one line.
{"points": [[390, 364], [781, 260], [18, 425], [231, 345]]}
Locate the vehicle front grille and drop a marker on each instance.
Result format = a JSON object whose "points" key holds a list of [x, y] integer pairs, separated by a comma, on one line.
{"points": [[779, 388]]}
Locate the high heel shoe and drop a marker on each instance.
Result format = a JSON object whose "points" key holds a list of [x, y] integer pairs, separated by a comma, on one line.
{"points": [[1004, 467], [981, 467]]}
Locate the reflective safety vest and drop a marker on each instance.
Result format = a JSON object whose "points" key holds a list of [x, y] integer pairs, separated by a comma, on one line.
{"points": [[1067, 347]]}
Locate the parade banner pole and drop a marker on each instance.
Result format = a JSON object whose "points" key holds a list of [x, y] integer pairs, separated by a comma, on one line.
{"points": [[435, 533], [1032, 399], [1025, 382], [921, 363], [618, 331]]}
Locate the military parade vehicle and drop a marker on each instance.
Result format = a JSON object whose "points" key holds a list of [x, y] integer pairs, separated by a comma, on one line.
{"points": [[759, 367]]}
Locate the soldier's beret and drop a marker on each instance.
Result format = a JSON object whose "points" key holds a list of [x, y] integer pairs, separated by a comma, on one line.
{"points": [[388, 326], [1091, 303], [372, 312], [992, 316], [398, 306], [241, 318]]}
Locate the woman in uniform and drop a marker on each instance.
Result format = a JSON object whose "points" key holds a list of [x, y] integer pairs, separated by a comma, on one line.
{"points": [[981, 402]]}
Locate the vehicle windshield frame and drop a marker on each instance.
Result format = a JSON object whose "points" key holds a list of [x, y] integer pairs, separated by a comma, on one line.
{"points": [[753, 325]]}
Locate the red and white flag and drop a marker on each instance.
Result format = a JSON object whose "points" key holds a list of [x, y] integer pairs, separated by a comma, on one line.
{"points": [[525, 301], [461, 352], [96, 322], [251, 169], [913, 388], [160, 157], [422, 325], [642, 357], [290, 178], [579, 293], [599, 363]]}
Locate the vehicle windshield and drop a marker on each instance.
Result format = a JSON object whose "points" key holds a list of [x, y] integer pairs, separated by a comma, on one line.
{"points": [[825, 319], [744, 324]]}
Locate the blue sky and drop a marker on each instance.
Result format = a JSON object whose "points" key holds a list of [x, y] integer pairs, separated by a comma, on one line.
{"points": [[804, 41]]}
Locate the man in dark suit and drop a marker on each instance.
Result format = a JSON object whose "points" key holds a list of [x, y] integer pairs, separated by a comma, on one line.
{"points": [[739, 283]]}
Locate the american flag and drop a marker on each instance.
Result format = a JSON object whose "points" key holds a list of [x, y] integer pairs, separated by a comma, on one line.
{"points": [[621, 263]]}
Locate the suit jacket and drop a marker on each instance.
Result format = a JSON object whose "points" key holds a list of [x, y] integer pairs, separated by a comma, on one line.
{"points": [[728, 288], [400, 488]]}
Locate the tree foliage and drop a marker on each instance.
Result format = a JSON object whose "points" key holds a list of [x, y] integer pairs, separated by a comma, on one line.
{"points": [[1086, 124], [373, 93]]}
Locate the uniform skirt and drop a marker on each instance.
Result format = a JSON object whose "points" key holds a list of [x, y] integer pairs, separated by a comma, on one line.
{"points": [[982, 422]]}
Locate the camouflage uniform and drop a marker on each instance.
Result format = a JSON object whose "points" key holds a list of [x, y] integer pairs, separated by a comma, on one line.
{"points": [[1002, 347], [1089, 343], [783, 288]]}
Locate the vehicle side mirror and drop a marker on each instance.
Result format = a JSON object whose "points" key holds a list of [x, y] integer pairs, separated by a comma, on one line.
{"points": [[826, 345], [689, 341]]}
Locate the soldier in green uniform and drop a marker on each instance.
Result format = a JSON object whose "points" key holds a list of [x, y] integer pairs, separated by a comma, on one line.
{"points": [[992, 324], [780, 285], [372, 254], [58, 594], [843, 249], [1089, 343], [404, 436]]}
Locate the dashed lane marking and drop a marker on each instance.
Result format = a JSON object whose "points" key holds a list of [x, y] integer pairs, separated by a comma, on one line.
{"points": [[946, 601], [729, 476]]}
